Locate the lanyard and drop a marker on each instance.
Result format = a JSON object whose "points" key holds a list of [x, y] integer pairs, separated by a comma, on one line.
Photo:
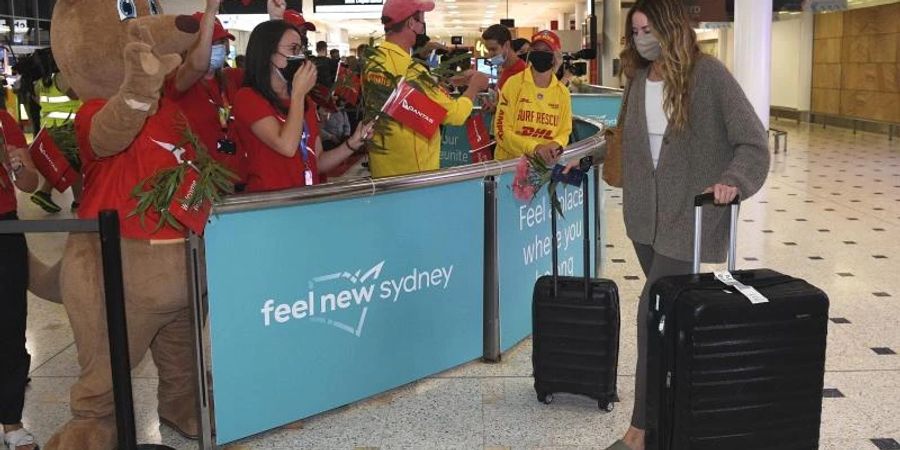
{"points": [[304, 153], [223, 106]]}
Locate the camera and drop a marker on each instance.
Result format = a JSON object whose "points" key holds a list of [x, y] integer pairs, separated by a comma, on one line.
{"points": [[572, 62], [226, 146]]}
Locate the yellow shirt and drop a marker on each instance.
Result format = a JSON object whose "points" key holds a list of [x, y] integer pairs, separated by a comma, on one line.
{"points": [[56, 107], [528, 115], [406, 151]]}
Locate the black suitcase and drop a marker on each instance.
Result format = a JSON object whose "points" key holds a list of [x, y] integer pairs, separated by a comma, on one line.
{"points": [[727, 373], [575, 330]]}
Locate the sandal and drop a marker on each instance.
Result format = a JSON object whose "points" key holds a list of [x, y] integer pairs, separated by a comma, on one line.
{"points": [[19, 438]]}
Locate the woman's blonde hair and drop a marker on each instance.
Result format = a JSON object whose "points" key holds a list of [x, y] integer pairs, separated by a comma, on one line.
{"points": [[671, 25]]}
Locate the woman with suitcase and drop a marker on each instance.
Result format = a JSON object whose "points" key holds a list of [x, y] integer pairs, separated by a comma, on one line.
{"points": [[688, 128]]}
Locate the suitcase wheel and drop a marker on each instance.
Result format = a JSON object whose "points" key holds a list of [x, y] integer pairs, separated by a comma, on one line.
{"points": [[545, 398], [606, 405]]}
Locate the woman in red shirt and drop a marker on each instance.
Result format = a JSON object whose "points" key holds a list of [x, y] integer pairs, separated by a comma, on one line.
{"points": [[16, 170], [204, 89], [275, 121]]}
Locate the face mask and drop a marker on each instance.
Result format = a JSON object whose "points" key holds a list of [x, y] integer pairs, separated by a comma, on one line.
{"points": [[293, 65], [421, 40], [648, 46], [498, 60], [217, 57], [541, 61]]}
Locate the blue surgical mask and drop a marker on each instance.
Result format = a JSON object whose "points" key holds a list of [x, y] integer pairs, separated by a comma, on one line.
{"points": [[498, 60], [217, 57]]}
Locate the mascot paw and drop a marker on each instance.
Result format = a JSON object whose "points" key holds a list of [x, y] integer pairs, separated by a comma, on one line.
{"points": [[145, 69], [81, 434]]}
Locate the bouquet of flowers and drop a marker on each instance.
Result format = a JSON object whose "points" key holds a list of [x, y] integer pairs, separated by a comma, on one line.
{"points": [[532, 173]]}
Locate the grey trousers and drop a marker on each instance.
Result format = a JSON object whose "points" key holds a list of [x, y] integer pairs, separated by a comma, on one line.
{"points": [[655, 266]]}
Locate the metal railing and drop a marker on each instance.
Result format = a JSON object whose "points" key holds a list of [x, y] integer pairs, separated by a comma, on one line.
{"points": [[363, 187]]}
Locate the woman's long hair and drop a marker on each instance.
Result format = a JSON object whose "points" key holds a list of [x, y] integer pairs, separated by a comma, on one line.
{"points": [[262, 45], [671, 25]]}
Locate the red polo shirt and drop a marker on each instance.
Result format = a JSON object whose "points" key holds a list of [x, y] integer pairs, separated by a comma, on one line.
{"points": [[108, 182], [201, 103], [268, 170], [507, 73], [13, 137]]}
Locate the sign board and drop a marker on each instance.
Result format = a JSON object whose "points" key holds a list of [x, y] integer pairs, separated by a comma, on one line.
{"points": [[348, 6]]}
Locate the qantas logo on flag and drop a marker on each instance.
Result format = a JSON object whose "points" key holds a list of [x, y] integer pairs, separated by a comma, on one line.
{"points": [[405, 105], [415, 110]]}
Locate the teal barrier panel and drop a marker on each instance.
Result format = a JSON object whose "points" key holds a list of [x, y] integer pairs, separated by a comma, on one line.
{"points": [[525, 245], [315, 306], [602, 107], [455, 144]]}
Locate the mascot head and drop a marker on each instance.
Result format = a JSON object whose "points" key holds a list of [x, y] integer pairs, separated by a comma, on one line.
{"points": [[89, 38]]}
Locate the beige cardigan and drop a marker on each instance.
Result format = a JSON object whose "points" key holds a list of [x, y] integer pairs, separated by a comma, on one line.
{"points": [[724, 142]]}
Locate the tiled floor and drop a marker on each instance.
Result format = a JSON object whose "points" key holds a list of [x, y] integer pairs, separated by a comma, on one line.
{"points": [[829, 213]]}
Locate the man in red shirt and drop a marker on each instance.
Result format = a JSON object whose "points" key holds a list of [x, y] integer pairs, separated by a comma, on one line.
{"points": [[204, 89], [498, 41]]}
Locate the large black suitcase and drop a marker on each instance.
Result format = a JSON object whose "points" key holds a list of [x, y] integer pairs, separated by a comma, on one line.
{"points": [[575, 330], [727, 373]]}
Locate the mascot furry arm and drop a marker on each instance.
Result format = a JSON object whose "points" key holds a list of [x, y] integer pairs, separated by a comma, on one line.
{"points": [[121, 119]]}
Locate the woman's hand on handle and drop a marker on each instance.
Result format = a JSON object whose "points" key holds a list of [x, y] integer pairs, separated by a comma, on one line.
{"points": [[723, 193]]}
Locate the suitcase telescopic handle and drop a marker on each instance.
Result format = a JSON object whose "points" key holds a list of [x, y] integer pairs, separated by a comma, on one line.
{"points": [[704, 199]]}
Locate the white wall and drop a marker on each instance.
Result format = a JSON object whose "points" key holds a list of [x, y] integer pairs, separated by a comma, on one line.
{"points": [[786, 58], [182, 6]]}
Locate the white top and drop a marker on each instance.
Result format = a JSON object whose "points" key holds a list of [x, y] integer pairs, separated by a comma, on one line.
{"points": [[656, 118]]}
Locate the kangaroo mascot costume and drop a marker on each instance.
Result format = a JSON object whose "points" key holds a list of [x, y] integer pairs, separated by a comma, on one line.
{"points": [[116, 55]]}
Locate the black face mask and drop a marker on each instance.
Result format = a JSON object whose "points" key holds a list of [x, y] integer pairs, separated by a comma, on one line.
{"points": [[294, 63], [421, 40], [541, 61]]}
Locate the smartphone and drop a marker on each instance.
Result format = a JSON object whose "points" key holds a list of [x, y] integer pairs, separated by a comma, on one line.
{"points": [[575, 177]]}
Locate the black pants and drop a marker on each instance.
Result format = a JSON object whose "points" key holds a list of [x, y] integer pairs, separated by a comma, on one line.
{"points": [[14, 358], [654, 266]]}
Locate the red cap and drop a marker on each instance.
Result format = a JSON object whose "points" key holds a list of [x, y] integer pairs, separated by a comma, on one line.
{"points": [[548, 37], [219, 32], [395, 11], [296, 19]]}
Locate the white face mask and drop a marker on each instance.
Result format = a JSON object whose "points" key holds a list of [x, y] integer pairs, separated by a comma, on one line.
{"points": [[648, 46], [217, 57]]}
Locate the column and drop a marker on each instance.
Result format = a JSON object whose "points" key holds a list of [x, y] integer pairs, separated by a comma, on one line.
{"points": [[580, 14], [753, 52], [804, 85], [610, 47]]}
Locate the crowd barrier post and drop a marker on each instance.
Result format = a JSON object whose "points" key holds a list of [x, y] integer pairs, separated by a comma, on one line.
{"points": [[491, 274], [199, 309]]}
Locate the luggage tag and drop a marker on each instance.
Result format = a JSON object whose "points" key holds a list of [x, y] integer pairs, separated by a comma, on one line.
{"points": [[751, 293]]}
